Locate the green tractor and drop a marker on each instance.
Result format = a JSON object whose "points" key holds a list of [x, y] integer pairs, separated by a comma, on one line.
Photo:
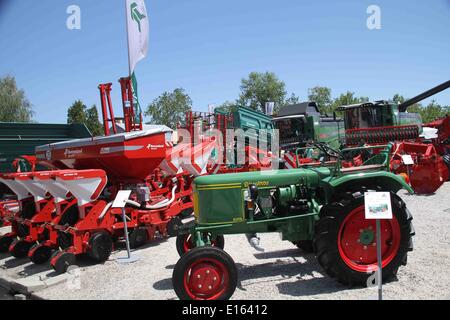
{"points": [[317, 208]]}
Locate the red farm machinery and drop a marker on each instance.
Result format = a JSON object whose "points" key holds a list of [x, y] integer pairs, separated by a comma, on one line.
{"points": [[370, 124], [66, 210]]}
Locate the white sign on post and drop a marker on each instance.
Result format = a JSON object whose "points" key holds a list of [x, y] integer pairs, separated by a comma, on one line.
{"points": [[407, 159], [121, 199], [378, 205]]}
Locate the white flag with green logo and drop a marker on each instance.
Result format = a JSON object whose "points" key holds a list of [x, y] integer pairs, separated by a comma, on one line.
{"points": [[138, 30]]}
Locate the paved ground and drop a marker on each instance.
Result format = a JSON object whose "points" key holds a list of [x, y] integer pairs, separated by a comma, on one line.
{"points": [[279, 273]]}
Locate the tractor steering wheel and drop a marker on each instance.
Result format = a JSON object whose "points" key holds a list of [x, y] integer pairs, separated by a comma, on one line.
{"points": [[329, 151]]}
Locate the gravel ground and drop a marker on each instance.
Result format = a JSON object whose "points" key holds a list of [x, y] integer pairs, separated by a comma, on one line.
{"points": [[4, 295], [281, 272]]}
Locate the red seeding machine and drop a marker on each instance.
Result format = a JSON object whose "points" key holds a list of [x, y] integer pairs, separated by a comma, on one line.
{"points": [[67, 210]]}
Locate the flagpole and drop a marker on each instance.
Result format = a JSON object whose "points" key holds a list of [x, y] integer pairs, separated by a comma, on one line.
{"points": [[127, 22]]}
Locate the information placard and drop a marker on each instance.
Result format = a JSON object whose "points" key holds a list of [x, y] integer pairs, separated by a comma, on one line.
{"points": [[121, 199], [378, 205], [407, 159]]}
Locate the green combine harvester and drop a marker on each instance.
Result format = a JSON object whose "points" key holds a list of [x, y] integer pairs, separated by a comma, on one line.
{"points": [[315, 208], [302, 123]]}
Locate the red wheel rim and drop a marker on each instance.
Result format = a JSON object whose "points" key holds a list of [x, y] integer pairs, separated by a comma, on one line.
{"points": [[357, 241], [206, 279], [187, 244]]}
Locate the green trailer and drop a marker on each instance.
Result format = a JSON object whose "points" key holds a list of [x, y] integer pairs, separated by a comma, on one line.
{"points": [[20, 139]]}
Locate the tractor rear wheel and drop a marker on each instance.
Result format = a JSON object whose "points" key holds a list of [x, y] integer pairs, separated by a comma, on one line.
{"points": [[101, 245], [184, 243], [346, 242], [205, 273]]}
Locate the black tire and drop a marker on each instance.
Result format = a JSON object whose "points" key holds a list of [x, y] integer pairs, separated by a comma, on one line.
{"points": [[41, 254], [218, 242], [20, 248], [5, 243], [101, 245], [63, 261], [305, 245], [327, 232], [211, 256], [446, 159], [138, 237]]}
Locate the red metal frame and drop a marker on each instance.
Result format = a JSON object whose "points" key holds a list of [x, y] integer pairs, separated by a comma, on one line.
{"points": [[105, 98], [128, 106]]}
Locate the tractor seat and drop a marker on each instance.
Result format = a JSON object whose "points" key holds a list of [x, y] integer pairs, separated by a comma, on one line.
{"points": [[363, 168]]}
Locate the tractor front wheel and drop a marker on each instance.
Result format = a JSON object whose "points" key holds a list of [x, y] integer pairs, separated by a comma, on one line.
{"points": [[346, 242], [185, 243], [205, 273]]}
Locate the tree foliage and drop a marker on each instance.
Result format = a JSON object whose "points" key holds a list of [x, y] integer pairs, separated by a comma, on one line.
{"points": [[79, 113], [14, 106], [226, 107], [322, 96], [347, 99], [259, 88], [428, 113], [169, 108]]}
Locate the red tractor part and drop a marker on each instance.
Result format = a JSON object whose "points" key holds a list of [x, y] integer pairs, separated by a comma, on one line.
{"points": [[427, 173], [442, 142]]}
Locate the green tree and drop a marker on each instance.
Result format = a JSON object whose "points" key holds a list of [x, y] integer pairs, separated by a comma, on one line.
{"points": [[433, 111], [430, 112], [79, 113], [293, 99], [347, 99], [92, 121], [398, 99], [14, 106], [322, 96], [260, 88], [226, 107], [169, 108], [76, 113]]}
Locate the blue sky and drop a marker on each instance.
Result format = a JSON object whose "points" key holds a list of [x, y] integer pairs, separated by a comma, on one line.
{"points": [[207, 46]]}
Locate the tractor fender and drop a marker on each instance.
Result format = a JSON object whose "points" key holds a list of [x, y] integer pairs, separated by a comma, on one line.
{"points": [[386, 180]]}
